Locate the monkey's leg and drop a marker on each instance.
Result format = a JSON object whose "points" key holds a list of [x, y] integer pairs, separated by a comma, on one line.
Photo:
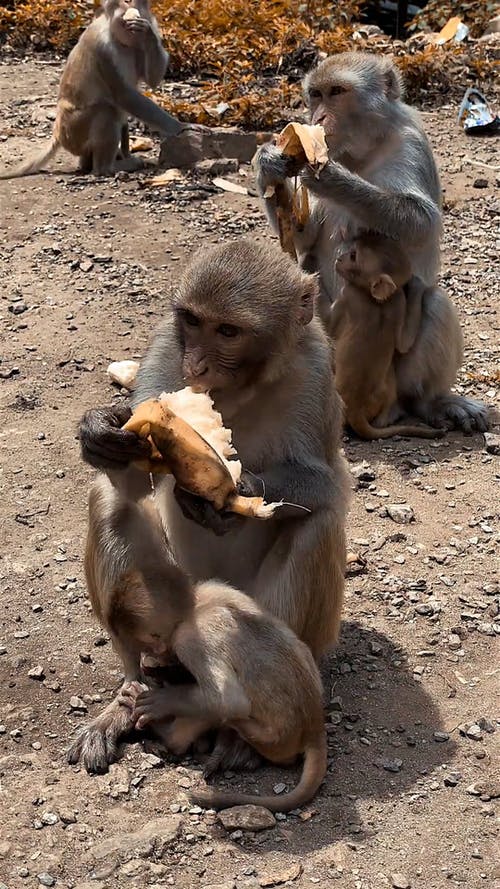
{"points": [[106, 132], [85, 163], [301, 579], [125, 142], [428, 371], [96, 745], [179, 735]]}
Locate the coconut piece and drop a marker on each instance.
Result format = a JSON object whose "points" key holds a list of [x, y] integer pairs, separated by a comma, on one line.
{"points": [[198, 462], [123, 372], [131, 13], [299, 139]]}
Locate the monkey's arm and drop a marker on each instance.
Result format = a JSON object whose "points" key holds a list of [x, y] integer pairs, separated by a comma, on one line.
{"points": [[155, 57], [130, 99], [407, 213], [333, 320], [311, 484], [412, 315]]}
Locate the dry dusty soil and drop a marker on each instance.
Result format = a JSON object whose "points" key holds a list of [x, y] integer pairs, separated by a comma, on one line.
{"points": [[410, 798]]}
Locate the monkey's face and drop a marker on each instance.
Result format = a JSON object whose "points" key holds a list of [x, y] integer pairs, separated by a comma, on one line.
{"points": [[128, 20], [347, 96], [358, 265], [217, 354]]}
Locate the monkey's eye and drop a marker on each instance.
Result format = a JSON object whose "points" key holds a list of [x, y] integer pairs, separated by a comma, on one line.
{"points": [[337, 90], [190, 319], [315, 94], [352, 256], [228, 330]]}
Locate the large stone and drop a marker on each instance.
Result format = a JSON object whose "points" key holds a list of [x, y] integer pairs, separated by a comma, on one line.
{"points": [[192, 146], [247, 818], [152, 839]]}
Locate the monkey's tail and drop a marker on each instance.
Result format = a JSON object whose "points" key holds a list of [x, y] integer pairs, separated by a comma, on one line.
{"points": [[313, 772], [365, 430], [35, 164]]}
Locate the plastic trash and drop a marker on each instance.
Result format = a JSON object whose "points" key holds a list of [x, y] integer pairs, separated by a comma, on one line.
{"points": [[475, 114]]}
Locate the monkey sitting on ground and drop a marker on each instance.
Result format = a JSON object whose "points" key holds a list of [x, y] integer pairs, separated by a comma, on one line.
{"points": [[252, 674], [381, 175], [98, 89], [241, 327], [370, 321]]}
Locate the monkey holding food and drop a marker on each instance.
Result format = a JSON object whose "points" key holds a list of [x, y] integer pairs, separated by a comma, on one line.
{"points": [[98, 89], [372, 320], [251, 673], [241, 326], [380, 174]]}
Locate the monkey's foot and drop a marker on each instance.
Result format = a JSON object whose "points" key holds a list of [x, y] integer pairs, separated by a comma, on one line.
{"points": [[231, 753], [129, 164], [455, 412], [96, 745]]}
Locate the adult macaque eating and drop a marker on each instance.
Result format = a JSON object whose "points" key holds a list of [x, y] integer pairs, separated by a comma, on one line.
{"points": [[372, 319], [98, 89], [381, 176], [250, 673], [241, 326]]}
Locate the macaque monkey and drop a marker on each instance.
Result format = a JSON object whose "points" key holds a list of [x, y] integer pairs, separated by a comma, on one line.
{"points": [[98, 89], [241, 326], [381, 177], [251, 673], [371, 320]]}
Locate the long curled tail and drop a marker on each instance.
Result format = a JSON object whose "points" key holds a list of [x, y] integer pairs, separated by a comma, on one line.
{"points": [[313, 772], [35, 164], [364, 429]]}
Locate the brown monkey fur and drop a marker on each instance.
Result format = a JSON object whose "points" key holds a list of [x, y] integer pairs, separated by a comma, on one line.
{"points": [[241, 326], [369, 322], [251, 672], [380, 176], [98, 89]]}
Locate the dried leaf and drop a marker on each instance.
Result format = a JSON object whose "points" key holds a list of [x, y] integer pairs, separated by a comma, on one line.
{"points": [[165, 178], [141, 144], [226, 185]]}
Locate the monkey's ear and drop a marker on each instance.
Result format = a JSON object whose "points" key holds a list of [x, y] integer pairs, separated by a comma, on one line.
{"points": [[393, 81], [306, 308], [382, 288]]}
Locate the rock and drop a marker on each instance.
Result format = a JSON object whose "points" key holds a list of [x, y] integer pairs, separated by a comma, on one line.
{"points": [[493, 26], [247, 818], [441, 736], [452, 779], [390, 765], [474, 732], [480, 183], [192, 146], [399, 881], [153, 838], [279, 788], [76, 703], [486, 725], [400, 513], [285, 876], [46, 879], [217, 166], [49, 818], [36, 673]]}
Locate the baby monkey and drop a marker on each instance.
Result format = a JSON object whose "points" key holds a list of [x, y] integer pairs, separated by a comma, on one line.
{"points": [[372, 320], [251, 673]]}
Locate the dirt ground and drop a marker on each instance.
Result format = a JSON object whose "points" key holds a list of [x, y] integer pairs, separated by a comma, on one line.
{"points": [[409, 800]]}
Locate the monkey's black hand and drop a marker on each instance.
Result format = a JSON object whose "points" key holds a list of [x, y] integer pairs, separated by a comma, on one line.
{"points": [[104, 444], [203, 513], [274, 167]]}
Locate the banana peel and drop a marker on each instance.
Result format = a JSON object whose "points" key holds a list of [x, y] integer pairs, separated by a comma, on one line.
{"points": [[308, 145], [179, 450]]}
